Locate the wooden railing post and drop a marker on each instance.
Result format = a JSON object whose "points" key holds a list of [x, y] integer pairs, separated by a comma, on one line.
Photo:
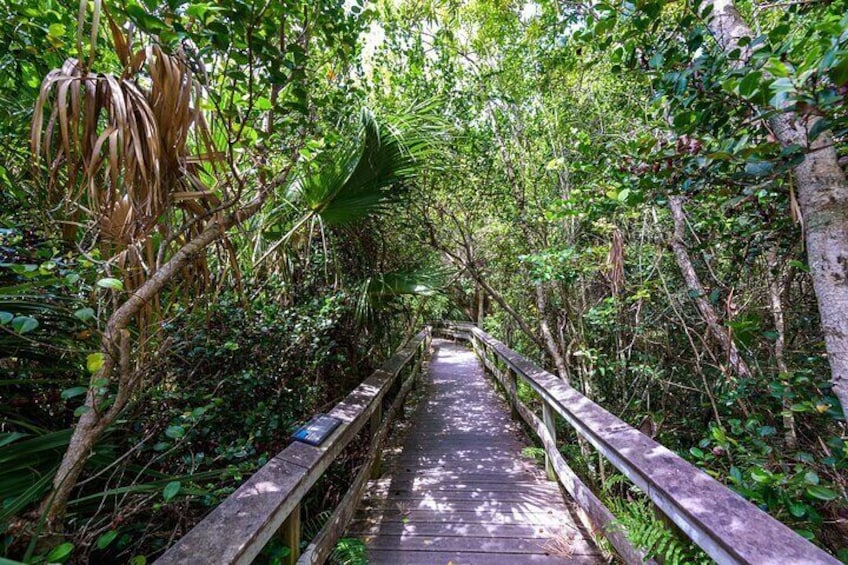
{"points": [[290, 532], [549, 418], [376, 419]]}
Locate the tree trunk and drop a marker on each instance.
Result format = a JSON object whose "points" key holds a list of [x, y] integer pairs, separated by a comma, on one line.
{"points": [[693, 283], [776, 287], [823, 197], [550, 342]]}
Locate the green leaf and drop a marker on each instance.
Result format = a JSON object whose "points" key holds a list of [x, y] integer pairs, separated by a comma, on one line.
{"points": [[73, 392], [657, 60], [171, 490], [56, 30], [84, 314], [799, 265], [107, 538], [94, 362], [24, 324], [696, 452], [81, 410], [760, 475], [5, 318], [175, 432], [138, 560], [758, 168], [797, 509], [822, 493], [110, 283], [60, 553], [750, 84]]}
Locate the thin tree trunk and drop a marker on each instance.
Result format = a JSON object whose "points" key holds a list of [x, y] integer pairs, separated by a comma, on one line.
{"points": [[693, 283], [550, 342], [776, 286], [481, 306], [823, 198]]}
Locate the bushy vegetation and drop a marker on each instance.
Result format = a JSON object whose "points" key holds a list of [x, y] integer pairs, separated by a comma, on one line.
{"points": [[217, 218]]}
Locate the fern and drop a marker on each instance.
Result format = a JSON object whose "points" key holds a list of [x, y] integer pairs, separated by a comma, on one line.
{"points": [[636, 516], [349, 551]]}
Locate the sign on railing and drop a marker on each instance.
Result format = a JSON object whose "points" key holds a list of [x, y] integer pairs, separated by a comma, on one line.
{"points": [[727, 527]]}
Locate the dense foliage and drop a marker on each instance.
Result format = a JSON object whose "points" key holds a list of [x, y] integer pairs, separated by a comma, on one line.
{"points": [[216, 218]]}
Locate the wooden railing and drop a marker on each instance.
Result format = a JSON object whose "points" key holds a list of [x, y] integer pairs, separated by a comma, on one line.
{"points": [[268, 504], [727, 527]]}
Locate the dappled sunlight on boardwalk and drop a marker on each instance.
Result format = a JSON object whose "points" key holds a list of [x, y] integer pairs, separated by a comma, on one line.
{"points": [[457, 488]]}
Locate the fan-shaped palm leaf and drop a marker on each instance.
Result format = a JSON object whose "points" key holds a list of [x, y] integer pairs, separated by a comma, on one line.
{"points": [[371, 176]]}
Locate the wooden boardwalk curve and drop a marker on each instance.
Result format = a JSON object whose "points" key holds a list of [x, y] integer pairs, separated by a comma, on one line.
{"points": [[458, 489]]}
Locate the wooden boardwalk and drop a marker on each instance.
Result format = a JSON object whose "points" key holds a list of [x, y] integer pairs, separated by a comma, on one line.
{"points": [[458, 490]]}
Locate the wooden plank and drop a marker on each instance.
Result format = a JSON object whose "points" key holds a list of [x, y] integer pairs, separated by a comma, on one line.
{"points": [[432, 557], [393, 513], [477, 529], [722, 523], [498, 545]]}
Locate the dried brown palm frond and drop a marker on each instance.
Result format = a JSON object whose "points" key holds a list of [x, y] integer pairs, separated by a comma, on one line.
{"points": [[127, 152]]}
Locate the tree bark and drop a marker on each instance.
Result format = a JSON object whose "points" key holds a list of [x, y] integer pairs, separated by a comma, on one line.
{"points": [[693, 283], [823, 198], [550, 341], [776, 287]]}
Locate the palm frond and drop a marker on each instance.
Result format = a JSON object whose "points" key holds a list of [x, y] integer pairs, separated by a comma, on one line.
{"points": [[370, 176], [375, 291]]}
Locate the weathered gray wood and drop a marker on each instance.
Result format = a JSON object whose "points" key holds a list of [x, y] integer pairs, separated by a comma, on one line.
{"points": [[433, 557], [727, 527], [290, 533], [238, 529], [460, 477], [463, 516], [549, 418]]}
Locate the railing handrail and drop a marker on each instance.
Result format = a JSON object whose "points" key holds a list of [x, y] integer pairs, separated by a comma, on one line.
{"points": [[238, 528], [728, 528]]}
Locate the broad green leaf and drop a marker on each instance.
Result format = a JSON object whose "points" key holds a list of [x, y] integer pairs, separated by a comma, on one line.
{"points": [[750, 84], [111, 283], [822, 493], [171, 490], [5, 318], [175, 432], [760, 475], [24, 324], [107, 538], [60, 553], [94, 362], [84, 314], [73, 392]]}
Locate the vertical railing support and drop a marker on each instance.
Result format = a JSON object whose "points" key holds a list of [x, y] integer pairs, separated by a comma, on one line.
{"points": [[290, 532], [549, 418], [376, 419], [513, 393]]}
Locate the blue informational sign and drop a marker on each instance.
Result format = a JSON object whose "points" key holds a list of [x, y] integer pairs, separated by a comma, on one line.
{"points": [[316, 430]]}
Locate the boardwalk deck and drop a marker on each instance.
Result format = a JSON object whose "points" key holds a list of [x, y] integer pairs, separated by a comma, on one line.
{"points": [[458, 490]]}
